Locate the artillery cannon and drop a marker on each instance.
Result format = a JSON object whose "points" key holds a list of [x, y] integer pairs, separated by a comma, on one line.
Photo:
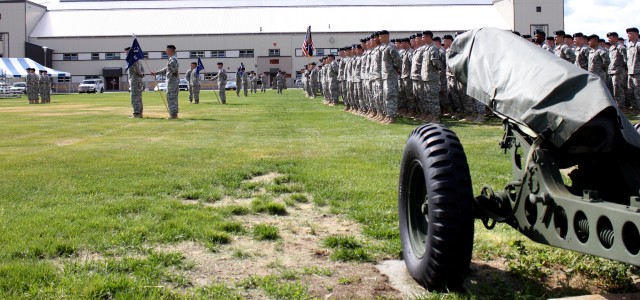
{"points": [[557, 119]]}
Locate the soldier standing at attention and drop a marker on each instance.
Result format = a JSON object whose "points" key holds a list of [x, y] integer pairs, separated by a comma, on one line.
{"points": [[222, 82], [562, 50], [187, 77], [582, 51], [135, 74], [194, 83], [239, 81], [375, 76], [264, 79], [31, 86], [431, 65], [46, 90], [633, 67], [245, 82], [551, 45], [253, 79], [406, 99], [391, 67], [313, 80], [416, 77], [332, 71], [279, 82], [598, 58], [171, 71], [618, 58], [40, 85]]}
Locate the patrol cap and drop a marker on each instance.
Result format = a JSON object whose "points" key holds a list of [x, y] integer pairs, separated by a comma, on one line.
{"points": [[406, 40], [568, 36], [419, 34], [560, 32], [331, 55], [411, 37], [358, 46], [610, 34], [127, 49], [383, 32], [594, 36], [601, 40], [437, 39], [393, 41], [363, 40], [220, 63], [633, 29], [577, 35], [313, 63], [428, 33], [171, 47], [447, 37], [377, 33], [550, 38]]}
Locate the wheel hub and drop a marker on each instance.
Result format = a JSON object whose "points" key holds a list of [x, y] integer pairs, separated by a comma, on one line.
{"points": [[418, 208]]}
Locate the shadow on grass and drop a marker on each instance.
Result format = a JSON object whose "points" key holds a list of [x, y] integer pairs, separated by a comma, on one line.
{"points": [[487, 282]]}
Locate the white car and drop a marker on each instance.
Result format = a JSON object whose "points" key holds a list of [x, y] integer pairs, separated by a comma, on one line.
{"points": [[162, 86], [91, 86], [19, 87], [183, 85], [230, 85]]}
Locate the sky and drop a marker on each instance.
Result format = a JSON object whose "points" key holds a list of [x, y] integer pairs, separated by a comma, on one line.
{"points": [[586, 16]]}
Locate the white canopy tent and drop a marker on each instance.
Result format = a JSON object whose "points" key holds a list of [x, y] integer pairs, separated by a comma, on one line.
{"points": [[17, 68]]}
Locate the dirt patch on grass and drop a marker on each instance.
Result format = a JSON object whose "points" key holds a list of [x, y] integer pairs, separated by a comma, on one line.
{"points": [[296, 256], [67, 142]]}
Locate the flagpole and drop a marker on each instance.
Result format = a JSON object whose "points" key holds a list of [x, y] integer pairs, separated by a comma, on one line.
{"points": [[154, 79], [159, 90]]}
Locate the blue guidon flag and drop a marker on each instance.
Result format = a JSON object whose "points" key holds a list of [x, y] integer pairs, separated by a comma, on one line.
{"points": [[307, 45], [200, 67], [135, 54]]}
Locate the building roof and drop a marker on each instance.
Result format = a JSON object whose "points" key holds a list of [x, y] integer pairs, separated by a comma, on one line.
{"points": [[251, 20]]}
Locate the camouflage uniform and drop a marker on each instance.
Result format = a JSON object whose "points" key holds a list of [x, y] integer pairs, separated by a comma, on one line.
{"points": [[565, 52], [313, 82], [238, 82], [375, 76], [431, 65], [356, 72], [245, 83], [618, 58], [547, 48], [187, 77], [279, 83], [444, 100], [254, 83], [41, 81], [46, 90], [365, 82], [222, 83], [263, 83], [599, 62], [348, 79], [406, 99], [416, 78], [334, 88], [32, 88], [341, 78], [173, 82], [457, 94], [633, 66], [582, 57], [135, 74], [391, 66], [195, 86]]}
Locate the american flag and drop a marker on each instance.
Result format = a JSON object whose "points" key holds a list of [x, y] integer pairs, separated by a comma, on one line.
{"points": [[307, 46]]}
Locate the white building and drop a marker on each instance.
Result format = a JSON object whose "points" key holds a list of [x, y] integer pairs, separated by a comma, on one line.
{"points": [[87, 38]]}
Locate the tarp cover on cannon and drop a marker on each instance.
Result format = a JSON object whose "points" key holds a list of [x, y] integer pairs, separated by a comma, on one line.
{"points": [[520, 81]]}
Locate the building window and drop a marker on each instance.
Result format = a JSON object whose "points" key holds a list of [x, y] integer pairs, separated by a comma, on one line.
{"points": [[112, 56], [246, 53], [196, 54], [63, 79], [319, 52], [274, 52], [538, 8], [334, 51], [95, 56], [217, 53], [70, 56]]}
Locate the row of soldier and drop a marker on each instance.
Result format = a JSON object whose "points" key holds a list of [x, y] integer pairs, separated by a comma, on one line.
{"points": [[383, 79], [615, 62], [38, 86]]}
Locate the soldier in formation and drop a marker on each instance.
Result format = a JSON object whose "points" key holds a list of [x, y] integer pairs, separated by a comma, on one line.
{"points": [[187, 77], [45, 93], [253, 79], [194, 84], [32, 86], [245, 82], [264, 79], [239, 80], [135, 73], [279, 82], [222, 82], [171, 71]]}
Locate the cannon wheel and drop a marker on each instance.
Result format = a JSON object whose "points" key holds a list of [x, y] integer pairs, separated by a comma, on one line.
{"points": [[435, 202]]}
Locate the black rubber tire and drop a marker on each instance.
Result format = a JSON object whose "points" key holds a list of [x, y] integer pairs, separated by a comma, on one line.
{"points": [[437, 246]]}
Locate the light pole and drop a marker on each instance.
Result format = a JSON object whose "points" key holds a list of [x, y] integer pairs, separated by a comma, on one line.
{"points": [[45, 55]]}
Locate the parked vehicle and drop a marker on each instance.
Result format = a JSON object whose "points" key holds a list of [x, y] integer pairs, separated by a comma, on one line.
{"points": [[91, 86], [231, 85], [19, 87], [183, 85], [162, 86]]}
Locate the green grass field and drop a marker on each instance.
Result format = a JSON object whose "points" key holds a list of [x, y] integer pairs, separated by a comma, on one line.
{"points": [[79, 177]]}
